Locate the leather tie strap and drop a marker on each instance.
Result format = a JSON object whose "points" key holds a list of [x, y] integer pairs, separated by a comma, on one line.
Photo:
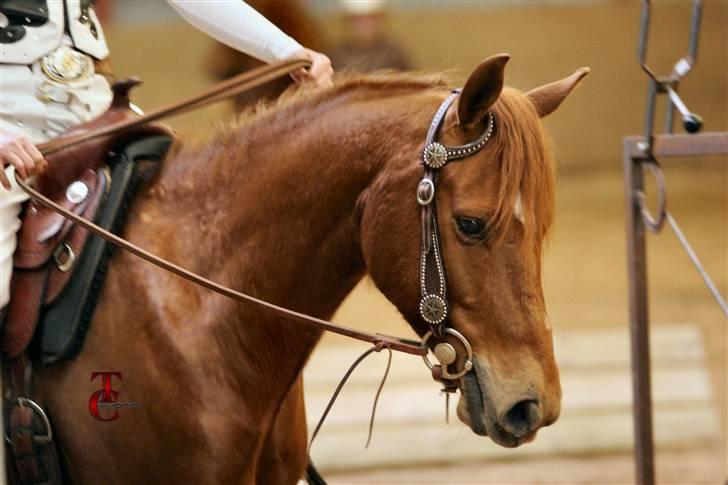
{"points": [[340, 386]]}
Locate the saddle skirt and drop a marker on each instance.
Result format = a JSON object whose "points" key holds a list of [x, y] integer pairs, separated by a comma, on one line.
{"points": [[51, 250]]}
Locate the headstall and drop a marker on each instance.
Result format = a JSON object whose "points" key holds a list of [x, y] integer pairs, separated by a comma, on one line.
{"points": [[433, 306]]}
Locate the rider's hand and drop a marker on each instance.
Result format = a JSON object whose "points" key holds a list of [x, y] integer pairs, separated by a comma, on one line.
{"points": [[18, 151], [320, 71]]}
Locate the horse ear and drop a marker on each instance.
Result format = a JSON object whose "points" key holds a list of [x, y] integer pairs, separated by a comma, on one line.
{"points": [[482, 89], [549, 96]]}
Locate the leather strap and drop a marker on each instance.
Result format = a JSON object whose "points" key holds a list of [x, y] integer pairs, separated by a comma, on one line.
{"points": [[395, 343], [433, 304], [226, 89], [31, 452], [29, 286], [340, 386]]}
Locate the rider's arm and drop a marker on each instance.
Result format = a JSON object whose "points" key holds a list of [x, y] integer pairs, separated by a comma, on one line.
{"points": [[238, 25]]}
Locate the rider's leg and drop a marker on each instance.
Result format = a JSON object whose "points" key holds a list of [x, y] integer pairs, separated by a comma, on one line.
{"points": [[10, 204]]}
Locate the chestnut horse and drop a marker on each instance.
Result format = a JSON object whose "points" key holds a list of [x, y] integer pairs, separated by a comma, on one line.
{"points": [[294, 204]]}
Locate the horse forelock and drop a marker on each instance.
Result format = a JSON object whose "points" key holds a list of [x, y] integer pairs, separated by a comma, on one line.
{"points": [[526, 168]]}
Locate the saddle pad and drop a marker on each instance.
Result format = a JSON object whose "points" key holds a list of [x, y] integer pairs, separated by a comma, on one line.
{"points": [[63, 324]]}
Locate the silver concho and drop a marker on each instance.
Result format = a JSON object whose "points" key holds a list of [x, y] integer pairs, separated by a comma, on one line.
{"points": [[425, 191], [445, 353], [65, 65], [76, 192], [433, 309], [435, 155]]}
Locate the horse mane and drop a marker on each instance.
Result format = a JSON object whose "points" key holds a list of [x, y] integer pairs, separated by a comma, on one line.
{"points": [[522, 146], [526, 166], [385, 82], [251, 122]]}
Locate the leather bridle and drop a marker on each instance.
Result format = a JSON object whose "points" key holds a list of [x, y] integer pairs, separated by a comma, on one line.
{"points": [[433, 306]]}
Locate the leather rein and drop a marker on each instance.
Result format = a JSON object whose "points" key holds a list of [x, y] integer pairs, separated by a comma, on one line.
{"points": [[219, 92], [433, 306]]}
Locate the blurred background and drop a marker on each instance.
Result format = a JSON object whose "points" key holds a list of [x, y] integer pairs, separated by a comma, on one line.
{"points": [[585, 267]]}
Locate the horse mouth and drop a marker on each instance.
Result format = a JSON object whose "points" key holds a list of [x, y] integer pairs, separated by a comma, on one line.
{"points": [[476, 411], [472, 396]]}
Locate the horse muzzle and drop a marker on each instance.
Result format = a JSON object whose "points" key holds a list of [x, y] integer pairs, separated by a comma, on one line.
{"points": [[513, 421]]}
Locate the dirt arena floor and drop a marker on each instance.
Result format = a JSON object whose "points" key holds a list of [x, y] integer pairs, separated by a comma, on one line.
{"points": [[585, 268], [678, 468]]}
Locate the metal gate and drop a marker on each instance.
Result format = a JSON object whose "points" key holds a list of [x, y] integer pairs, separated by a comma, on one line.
{"points": [[641, 155]]}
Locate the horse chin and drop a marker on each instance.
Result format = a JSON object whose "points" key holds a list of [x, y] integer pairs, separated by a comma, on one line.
{"points": [[476, 411]]}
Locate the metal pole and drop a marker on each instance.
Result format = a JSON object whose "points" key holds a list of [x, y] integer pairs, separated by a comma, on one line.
{"points": [[670, 114], [639, 321]]}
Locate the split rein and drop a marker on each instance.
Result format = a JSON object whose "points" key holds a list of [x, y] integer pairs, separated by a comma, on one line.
{"points": [[219, 92]]}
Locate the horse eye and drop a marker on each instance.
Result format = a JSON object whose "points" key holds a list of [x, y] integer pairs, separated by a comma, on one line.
{"points": [[472, 227]]}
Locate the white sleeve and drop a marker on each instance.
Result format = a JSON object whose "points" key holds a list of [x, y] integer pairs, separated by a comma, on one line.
{"points": [[237, 24]]}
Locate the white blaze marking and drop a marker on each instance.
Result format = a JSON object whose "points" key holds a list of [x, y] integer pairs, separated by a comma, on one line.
{"points": [[518, 210]]}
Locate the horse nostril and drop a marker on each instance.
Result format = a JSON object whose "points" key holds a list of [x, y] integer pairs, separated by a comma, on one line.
{"points": [[522, 418]]}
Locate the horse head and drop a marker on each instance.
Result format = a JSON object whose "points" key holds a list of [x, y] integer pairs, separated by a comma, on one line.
{"points": [[494, 206]]}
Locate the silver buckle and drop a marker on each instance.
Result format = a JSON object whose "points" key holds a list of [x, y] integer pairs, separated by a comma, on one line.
{"points": [[64, 265], [43, 438], [425, 191]]}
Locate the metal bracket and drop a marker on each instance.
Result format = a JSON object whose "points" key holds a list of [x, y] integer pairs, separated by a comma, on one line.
{"points": [[669, 84], [652, 223]]}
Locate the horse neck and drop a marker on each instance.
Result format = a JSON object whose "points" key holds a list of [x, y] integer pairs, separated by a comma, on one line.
{"points": [[274, 212]]}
